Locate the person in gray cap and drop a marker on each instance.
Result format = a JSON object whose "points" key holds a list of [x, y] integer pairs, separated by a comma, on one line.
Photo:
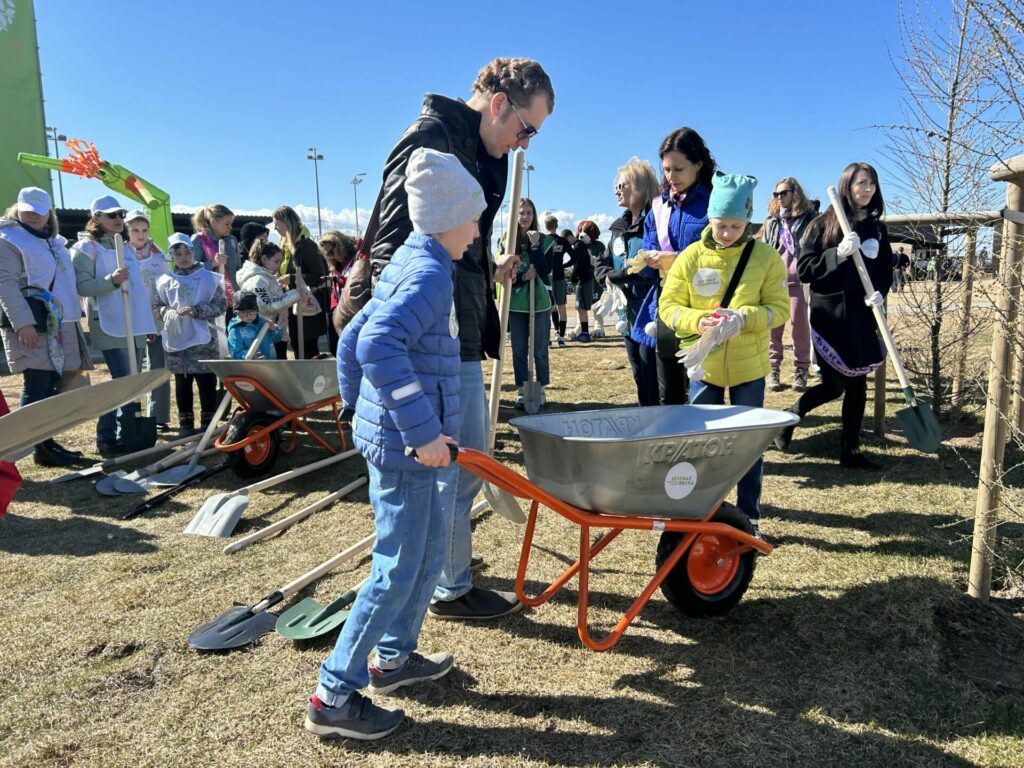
{"points": [[39, 307], [398, 364]]}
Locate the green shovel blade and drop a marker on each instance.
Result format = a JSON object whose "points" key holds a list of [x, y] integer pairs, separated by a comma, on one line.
{"points": [[308, 618], [919, 424]]}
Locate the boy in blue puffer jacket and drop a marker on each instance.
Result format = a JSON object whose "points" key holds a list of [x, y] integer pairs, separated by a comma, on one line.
{"points": [[398, 367]]}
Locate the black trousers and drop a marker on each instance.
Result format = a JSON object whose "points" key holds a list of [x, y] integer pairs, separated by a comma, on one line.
{"points": [[207, 384], [645, 371], [853, 390], [673, 385]]}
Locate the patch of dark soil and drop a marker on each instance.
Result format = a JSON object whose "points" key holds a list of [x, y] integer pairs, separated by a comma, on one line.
{"points": [[983, 643]]}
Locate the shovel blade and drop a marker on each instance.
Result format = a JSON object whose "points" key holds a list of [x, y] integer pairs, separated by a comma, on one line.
{"points": [[308, 618], [176, 475], [107, 485], [532, 395], [93, 470], [920, 427], [218, 516], [234, 628], [504, 503]]}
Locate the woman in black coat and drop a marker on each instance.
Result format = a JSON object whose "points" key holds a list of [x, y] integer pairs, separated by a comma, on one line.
{"points": [[843, 327], [306, 260]]}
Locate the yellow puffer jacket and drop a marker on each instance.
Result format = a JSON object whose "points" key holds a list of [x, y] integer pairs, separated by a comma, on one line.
{"points": [[695, 286]]}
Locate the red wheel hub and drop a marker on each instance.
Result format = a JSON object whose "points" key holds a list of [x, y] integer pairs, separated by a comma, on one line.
{"points": [[257, 451], [708, 570]]}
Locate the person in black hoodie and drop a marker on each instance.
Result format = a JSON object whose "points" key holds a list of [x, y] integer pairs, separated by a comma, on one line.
{"points": [[635, 186], [842, 324], [585, 252], [562, 250]]}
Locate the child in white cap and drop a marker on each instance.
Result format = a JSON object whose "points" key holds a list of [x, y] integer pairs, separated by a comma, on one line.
{"points": [[398, 368]]}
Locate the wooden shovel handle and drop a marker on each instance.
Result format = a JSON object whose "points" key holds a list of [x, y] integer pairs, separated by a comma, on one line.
{"points": [[865, 279], [291, 473], [291, 520], [308, 578], [133, 363]]}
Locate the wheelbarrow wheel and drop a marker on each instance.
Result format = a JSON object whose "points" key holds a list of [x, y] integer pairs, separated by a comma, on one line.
{"points": [[257, 458], [703, 583]]}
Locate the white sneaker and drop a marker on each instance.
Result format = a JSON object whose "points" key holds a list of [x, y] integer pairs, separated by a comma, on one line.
{"points": [[597, 333]]}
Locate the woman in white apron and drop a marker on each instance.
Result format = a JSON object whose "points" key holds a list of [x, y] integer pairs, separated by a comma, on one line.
{"points": [[188, 301], [39, 307], [99, 280]]}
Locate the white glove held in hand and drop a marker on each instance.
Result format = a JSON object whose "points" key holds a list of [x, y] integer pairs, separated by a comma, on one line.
{"points": [[651, 329], [874, 300], [731, 324], [172, 323], [848, 246]]}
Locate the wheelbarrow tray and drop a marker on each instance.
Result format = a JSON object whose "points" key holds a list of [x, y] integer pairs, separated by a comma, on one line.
{"points": [[297, 384], [671, 461]]}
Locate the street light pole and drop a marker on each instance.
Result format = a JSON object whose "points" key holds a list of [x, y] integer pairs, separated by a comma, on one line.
{"points": [[316, 175], [528, 168], [356, 181], [52, 134]]}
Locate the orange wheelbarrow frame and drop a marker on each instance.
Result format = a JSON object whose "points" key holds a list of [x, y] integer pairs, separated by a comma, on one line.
{"points": [[512, 482], [293, 418]]}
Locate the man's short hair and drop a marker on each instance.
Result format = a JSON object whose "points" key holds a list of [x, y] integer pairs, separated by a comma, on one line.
{"points": [[519, 79], [550, 222]]}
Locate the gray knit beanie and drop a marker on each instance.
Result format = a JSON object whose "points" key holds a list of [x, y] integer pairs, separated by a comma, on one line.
{"points": [[442, 193]]}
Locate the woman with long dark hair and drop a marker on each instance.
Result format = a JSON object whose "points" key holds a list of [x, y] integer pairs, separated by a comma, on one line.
{"points": [[677, 217], [842, 324], [307, 262]]}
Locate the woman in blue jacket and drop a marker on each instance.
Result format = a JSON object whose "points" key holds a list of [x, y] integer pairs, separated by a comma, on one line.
{"points": [[676, 219]]}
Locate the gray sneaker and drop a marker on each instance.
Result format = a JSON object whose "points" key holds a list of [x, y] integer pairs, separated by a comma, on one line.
{"points": [[417, 669], [774, 381], [800, 380], [359, 718]]}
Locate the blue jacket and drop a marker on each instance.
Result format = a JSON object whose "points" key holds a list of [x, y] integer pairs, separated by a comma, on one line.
{"points": [[242, 335], [398, 361], [685, 223]]}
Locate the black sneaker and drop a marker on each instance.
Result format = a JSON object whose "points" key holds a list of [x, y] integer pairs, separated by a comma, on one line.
{"points": [[476, 605], [109, 448], [476, 562], [854, 459], [417, 669], [55, 446], [163, 429], [359, 718]]}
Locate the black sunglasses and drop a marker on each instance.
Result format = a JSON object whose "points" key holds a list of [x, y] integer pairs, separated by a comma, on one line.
{"points": [[528, 130], [115, 215], [783, 193]]}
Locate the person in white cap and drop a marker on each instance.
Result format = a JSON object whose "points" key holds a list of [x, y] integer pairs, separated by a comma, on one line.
{"points": [[39, 307], [98, 278], [398, 364], [152, 264]]}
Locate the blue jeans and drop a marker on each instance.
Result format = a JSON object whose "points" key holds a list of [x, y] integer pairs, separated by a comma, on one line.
{"points": [[412, 511], [748, 490], [519, 327], [117, 364], [37, 385], [159, 402], [473, 425]]}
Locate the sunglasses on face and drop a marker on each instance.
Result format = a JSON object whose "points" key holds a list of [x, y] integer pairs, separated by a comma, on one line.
{"points": [[622, 186], [528, 130], [115, 215], [782, 193]]}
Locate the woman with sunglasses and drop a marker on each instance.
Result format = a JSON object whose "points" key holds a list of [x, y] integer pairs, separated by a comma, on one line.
{"points": [[99, 281], [789, 214], [677, 217]]}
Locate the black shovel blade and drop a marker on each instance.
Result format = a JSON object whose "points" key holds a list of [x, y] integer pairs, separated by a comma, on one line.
{"points": [[137, 432], [234, 628]]}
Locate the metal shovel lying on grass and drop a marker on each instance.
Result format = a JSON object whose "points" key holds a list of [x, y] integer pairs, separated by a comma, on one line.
{"points": [[244, 624], [219, 514], [119, 482], [291, 520], [918, 420], [103, 466]]}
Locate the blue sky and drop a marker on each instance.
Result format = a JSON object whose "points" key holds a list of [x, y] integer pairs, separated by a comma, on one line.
{"points": [[218, 101]]}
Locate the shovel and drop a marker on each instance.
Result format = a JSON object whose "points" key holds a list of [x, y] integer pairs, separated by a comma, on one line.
{"points": [[245, 624], [170, 493], [532, 391], [309, 618], [140, 481], [917, 420], [291, 520], [219, 514], [103, 466], [136, 432], [179, 474]]}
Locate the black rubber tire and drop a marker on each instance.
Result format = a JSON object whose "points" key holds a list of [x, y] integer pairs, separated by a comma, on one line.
{"points": [[242, 461], [678, 588]]}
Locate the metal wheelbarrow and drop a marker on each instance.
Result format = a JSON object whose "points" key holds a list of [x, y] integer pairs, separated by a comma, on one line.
{"points": [[274, 397], [664, 468]]}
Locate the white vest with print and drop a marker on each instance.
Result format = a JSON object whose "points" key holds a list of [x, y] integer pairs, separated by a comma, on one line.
{"points": [[109, 305], [43, 267], [179, 291]]}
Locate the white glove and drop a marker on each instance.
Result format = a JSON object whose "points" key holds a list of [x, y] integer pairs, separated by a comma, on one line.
{"points": [[651, 329], [694, 355], [622, 327], [534, 237], [172, 323], [585, 238], [848, 246], [874, 300]]}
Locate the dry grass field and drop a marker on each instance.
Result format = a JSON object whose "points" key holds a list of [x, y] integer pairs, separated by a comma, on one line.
{"points": [[854, 645]]}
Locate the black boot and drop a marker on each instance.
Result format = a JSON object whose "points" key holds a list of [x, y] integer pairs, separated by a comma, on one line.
{"points": [[187, 423], [851, 457], [204, 420], [785, 437], [46, 456], [55, 446]]}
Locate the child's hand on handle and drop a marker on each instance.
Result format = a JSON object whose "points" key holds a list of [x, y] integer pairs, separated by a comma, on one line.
{"points": [[220, 259], [119, 275], [436, 453]]}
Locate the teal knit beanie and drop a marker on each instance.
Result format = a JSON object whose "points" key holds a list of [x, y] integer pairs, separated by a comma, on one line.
{"points": [[732, 196]]}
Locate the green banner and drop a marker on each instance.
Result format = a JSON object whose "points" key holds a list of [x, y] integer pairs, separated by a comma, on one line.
{"points": [[21, 128]]}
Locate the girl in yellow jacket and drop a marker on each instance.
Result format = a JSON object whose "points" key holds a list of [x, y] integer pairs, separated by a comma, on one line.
{"points": [[724, 333]]}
